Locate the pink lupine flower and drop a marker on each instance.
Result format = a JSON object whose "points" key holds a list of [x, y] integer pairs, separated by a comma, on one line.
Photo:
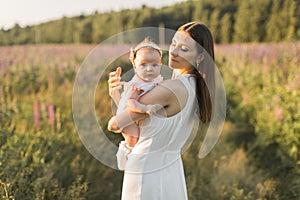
{"points": [[240, 81], [47, 104], [1, 64], [294, 84], [245, 97], [278, 113], [36, 113], [291, 86], [0, 108], [276, 99], [51, 114]]}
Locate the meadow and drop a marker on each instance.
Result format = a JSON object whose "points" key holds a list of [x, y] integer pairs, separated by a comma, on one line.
{"points": [[256, 157]]}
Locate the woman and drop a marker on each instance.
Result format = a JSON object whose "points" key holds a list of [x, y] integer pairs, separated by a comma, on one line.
{"points": [[154, 167]]}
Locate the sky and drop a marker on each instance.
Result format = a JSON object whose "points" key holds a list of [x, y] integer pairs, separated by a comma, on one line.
{"points": [[30, 12]]}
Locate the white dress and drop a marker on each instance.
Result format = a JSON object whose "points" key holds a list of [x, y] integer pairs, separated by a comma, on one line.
{"points": [[154, 169]]}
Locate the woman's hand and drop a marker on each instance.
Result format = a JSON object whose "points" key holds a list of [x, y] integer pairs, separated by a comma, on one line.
{"points": [[135, 106], [115, 84]]}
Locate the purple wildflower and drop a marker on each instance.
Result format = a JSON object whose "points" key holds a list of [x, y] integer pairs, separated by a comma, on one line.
{"points": [[51, 114], [36, 114], [278, 113]]}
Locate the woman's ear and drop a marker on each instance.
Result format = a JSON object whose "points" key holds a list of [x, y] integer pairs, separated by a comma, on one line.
{"points": [[200, 58]]}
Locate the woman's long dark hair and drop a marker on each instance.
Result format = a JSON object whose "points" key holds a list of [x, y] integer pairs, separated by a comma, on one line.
{"points": [[205, 72]]}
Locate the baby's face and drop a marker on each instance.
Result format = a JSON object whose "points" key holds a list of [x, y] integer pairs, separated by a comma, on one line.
{"points": [[147, 64]]}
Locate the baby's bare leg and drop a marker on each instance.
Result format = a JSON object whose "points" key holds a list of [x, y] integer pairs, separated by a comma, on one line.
{"points": [[131, 134]]}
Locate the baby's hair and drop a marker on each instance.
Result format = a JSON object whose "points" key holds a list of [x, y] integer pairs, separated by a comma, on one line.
{"points": [[146, 43]]}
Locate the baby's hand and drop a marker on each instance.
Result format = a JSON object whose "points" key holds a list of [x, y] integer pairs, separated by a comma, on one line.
{"points": [[115, 84], [134, 92]]}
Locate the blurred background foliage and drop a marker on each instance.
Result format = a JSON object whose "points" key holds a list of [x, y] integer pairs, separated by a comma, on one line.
{"points": [[229, 20], [257, 156]]}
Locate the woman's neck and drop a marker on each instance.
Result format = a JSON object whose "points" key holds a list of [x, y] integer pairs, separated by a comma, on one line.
{"points": [[180, 72]]}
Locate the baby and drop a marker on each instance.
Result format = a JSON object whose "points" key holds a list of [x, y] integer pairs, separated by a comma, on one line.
{"points": [[146, 59]]}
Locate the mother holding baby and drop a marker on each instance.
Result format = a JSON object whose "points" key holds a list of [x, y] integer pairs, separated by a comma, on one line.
{"points": [[154, 169]]}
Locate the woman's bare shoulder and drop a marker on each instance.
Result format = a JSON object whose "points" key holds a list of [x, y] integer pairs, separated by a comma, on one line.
{"points": [[173, 85]]}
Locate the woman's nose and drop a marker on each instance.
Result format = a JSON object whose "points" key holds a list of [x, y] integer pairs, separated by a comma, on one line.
{"points": [[174, 52]]}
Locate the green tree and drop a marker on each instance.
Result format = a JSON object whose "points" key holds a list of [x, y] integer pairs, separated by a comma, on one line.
{"points": [[201, 13], [15, 34], [278, 22], [258, 19], [78, 24], [290, 9], [240, 21], [86, 30], [2, 37], [67, 35], [96, 26], [52, 32], [214, 25], [242, 30], [226, 31], [250, 21]]}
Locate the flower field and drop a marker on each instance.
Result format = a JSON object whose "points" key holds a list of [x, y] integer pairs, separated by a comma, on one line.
{"points": [[257, 156]]}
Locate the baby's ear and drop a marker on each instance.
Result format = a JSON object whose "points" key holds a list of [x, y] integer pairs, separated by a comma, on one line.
{"points": [[133, 64]]}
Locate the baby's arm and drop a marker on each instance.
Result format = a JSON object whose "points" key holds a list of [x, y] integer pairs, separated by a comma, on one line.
{"points": [[135, 106]]}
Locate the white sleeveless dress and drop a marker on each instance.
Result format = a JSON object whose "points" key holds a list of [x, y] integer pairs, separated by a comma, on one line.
{"points": [[154, 169]]}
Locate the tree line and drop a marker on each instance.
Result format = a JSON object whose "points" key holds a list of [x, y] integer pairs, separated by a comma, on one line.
{"points": [[230, 21]]}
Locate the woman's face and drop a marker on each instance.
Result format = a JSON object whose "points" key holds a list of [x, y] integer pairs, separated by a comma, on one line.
{"points": [[182, 52], [147, 64]]}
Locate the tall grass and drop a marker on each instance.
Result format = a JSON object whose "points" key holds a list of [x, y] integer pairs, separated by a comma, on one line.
{"points": [[42, 157]]}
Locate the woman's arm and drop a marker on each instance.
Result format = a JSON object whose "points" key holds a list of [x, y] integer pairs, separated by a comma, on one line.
{"points": [[163, 94], [159, 95]]}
